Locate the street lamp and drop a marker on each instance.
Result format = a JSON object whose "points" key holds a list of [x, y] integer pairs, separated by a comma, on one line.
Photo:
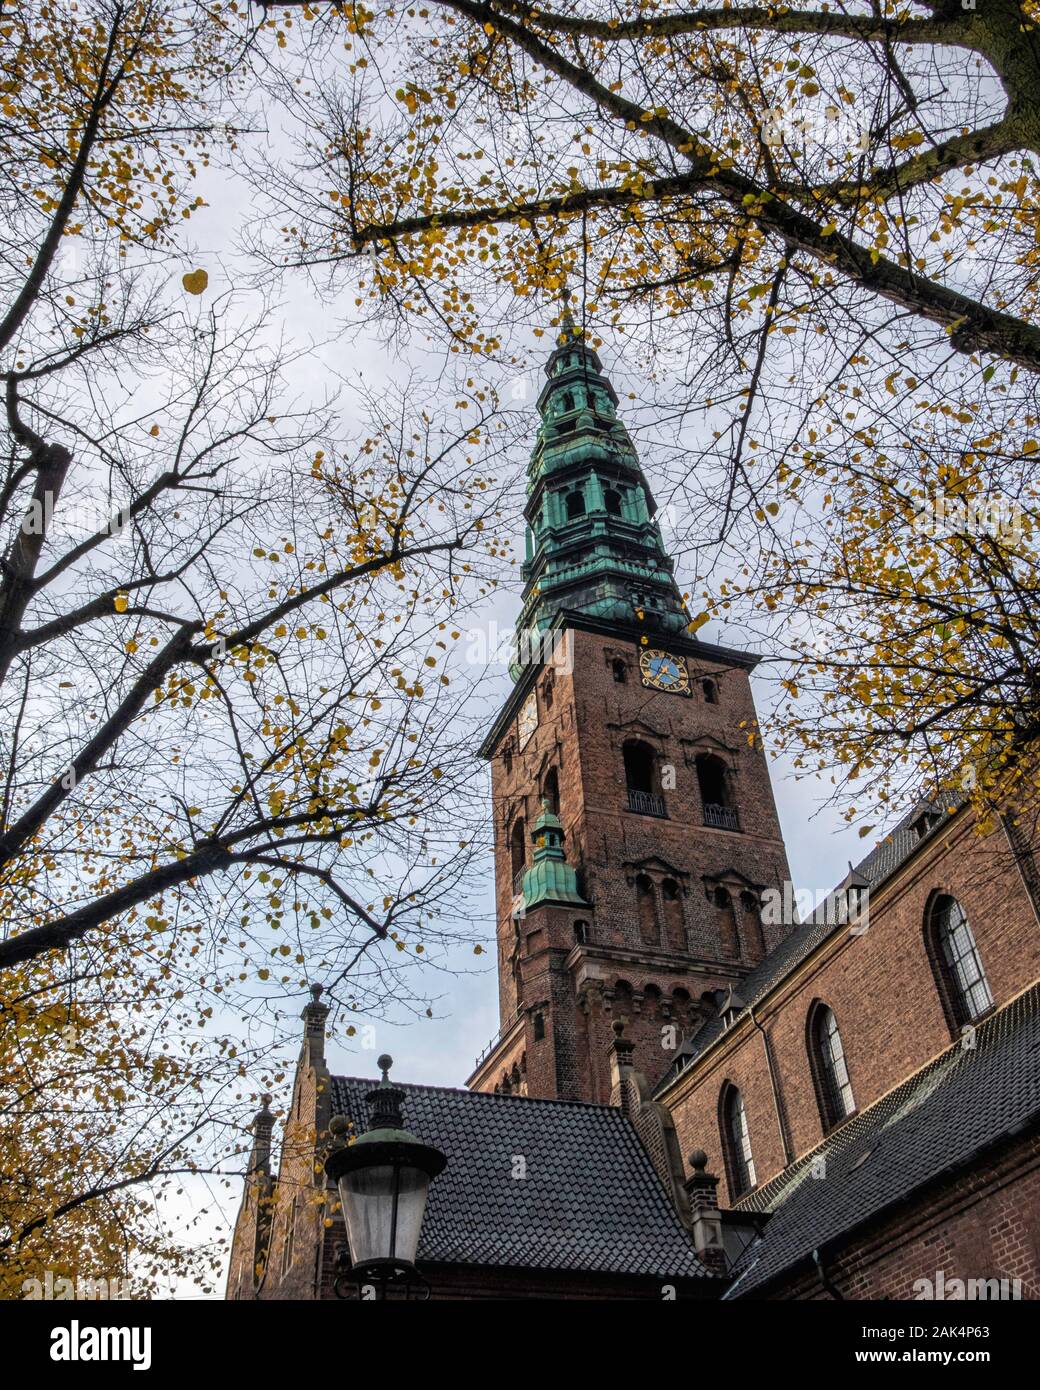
{"points": [[383, 1179]]}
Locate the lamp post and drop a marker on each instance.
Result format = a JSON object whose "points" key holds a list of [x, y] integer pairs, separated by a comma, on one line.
{"points": [[383, 1179]]}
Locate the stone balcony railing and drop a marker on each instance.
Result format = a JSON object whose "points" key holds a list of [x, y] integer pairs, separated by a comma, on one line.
{"points": [[646, 803], [720, 817]]}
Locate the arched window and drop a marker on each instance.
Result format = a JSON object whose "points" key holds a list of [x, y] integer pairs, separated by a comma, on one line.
{"points": [[958, 969], [829, 1069], [538, 1026], [674, 927], [711, 779], [620, 671], [575, 505], [518, 852], [581, 932], [612, 501], [726, 918], [752, 910], [641, 779], [736, 1142], [646, 902], [551, 790], [568, 401], [710, 691]]}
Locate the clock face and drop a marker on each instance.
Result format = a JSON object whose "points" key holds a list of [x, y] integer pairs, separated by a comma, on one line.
{"points": [[663, 671], [527, 720]]}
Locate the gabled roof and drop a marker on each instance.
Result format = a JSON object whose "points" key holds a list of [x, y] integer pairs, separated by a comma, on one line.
{"points": [[964, 1101], [589, 1200], [799, 944]]}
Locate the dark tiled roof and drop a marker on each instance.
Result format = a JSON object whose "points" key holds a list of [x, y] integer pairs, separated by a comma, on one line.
{"points": [[590, 1200], [889, 853], [934, 1123], [800, 943]]}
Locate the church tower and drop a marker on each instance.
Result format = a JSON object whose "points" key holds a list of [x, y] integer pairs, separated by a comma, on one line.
{"points": [[634, 822]]}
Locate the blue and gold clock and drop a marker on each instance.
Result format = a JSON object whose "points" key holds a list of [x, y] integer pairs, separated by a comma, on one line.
{"points": [[662, 671]]}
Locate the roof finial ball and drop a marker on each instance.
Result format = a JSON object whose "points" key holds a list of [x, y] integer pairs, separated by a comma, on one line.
{"points": [[618, 1027], [384, 1063], [698, 1160]]}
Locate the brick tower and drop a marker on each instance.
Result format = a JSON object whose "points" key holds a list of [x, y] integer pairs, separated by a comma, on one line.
{"points": [[635, 827]]}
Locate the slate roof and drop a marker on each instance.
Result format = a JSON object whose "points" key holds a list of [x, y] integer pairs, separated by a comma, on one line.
{"points": [[800, 943], [934, 1123], [590, 1201]]}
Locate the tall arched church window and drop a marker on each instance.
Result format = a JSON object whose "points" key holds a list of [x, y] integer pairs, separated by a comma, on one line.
{"points": [[736, 1142], [956, 963], [829, 1068]]}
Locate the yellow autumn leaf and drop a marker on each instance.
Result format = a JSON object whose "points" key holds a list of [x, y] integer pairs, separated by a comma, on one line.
{"points": [[195, 281]]}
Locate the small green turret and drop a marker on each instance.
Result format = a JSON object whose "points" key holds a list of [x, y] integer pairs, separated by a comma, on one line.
{"points": [[550, 879]]}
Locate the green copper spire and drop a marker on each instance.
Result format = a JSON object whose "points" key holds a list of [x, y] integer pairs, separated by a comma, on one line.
{"points": [[550, 879], [593, 545]]}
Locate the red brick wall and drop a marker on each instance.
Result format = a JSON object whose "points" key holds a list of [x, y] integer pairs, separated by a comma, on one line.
{"points": [[984, 1224], [883, 993], [655, 984]]}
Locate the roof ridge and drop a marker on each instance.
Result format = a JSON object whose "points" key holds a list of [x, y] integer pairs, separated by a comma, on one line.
{"points": [[489, 1095]]}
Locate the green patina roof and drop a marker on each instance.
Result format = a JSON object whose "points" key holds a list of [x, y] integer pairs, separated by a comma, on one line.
{"points": [[550, 879], [601, 555]]}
